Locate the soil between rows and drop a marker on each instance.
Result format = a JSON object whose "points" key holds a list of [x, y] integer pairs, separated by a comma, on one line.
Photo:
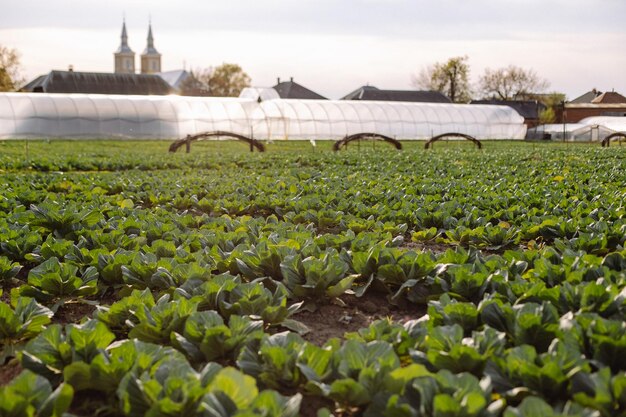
{"points": [[350, 314]]}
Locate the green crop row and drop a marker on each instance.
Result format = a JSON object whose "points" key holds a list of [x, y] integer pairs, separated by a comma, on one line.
{"points": [[197, 266]]}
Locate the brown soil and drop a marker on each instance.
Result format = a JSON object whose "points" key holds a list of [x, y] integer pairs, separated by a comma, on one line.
{"points": [[73, 313], [6, 297], [350, 314], [9, 371], [310, 405], [427, 246]]}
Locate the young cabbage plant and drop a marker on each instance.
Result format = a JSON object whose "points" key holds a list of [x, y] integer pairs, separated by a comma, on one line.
{"points": [[253, 299], [206, 337], [313, 279], [21, 324], [30, 395], [8, 272], [121, 316], [57, 347], [156, 324], [110, 365], [56, 283], [63, 222], [263, 260], [17, 244]]}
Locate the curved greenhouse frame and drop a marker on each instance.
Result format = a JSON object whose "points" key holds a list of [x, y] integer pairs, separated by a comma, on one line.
{"points": [[94, 116]]}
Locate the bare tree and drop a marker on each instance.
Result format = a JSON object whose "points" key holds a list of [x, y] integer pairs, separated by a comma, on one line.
{"points": [[10, 69], [512, 83], [449, 78]]}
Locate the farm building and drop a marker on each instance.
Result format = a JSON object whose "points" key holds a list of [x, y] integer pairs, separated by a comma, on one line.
{"points": [[594, 103], [41, 115]]}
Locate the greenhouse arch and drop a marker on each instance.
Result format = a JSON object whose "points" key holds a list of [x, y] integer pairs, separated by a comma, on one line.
{"points": [[607, 140], [360, 136], [453, 135], [191, 138]]}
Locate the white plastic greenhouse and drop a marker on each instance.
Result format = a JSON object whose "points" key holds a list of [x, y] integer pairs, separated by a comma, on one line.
{"points": [[590, 129], [40, 115]]}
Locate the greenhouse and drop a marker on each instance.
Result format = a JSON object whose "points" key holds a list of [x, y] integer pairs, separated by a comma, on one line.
{"points": [[334, 119], [590, 129], [40, 115]]}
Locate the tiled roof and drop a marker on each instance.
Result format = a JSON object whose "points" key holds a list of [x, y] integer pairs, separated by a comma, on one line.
{"points": [[610, 97]]}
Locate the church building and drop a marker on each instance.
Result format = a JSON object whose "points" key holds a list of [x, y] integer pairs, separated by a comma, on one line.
{"points": [[125, 57], [124, 79]]}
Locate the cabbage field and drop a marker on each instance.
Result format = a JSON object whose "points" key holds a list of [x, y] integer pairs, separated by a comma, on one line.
{"points": [[300, 281]]}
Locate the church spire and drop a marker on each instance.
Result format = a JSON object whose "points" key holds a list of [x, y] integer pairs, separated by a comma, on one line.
{"points": [[124, 56], [124, 45], [150, 58], [150, 38], [124, 34]]}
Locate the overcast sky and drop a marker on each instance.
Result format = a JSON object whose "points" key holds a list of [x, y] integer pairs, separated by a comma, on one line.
{"points": [[332, 47]]}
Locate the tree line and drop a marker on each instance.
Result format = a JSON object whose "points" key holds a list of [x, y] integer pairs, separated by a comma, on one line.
{"points": [[451, 78]]}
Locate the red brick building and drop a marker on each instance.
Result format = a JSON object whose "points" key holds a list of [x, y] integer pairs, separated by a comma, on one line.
{"points": [[593, 103]]}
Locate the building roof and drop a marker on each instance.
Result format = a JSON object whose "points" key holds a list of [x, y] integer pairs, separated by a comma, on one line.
{"points": [[586, 98], [259, 93], [184, 82], [598, 97], [610, 97], [372, 93], [291, 89], [528, 109], [98, 83], [175, 77]]}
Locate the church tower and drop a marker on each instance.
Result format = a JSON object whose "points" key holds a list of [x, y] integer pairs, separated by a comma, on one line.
{"points": [[150, 58], [124, 56]]}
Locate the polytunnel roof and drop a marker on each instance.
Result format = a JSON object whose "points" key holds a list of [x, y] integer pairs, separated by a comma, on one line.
{"points": [[168, 117], [615, 123]]}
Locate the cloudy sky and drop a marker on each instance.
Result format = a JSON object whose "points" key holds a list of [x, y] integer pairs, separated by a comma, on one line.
{"points": [[332, 47]]}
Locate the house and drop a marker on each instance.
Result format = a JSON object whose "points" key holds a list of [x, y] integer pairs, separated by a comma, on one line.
{"points": [[372, 93], [530, 110], [291, 89], [593, 103], [98, 83]]}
